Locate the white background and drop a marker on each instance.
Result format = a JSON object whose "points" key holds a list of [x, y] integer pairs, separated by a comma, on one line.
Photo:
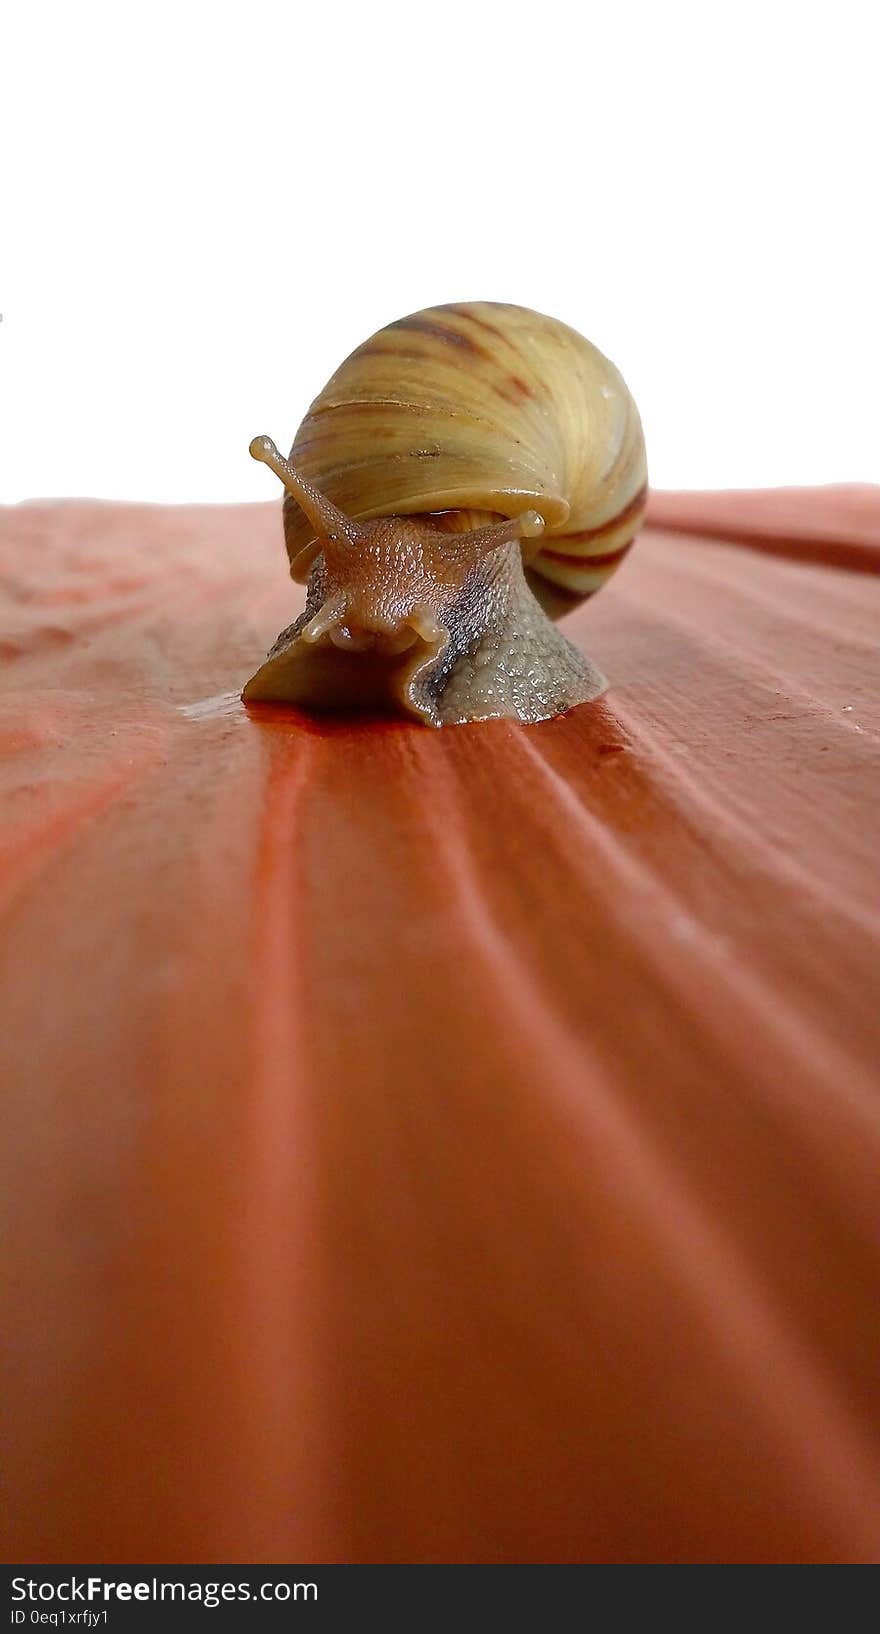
{"points": [[205, 208]]}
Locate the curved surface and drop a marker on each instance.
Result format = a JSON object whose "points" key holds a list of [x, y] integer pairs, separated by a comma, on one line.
{"points": [[450, 1145]]}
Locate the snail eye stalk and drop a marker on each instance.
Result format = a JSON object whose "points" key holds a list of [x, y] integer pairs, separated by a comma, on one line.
{"points": [[325, 517], [482, 541]]}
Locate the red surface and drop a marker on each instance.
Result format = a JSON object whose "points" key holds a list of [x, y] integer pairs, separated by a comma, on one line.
{"points": [[835, 526], [448, 1145]]}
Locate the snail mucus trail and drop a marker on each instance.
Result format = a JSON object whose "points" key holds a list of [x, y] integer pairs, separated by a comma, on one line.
{"points": [[465, 472]]}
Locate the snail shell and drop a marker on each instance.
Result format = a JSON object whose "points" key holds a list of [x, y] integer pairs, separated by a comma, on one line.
{"points": [[457, 417]]}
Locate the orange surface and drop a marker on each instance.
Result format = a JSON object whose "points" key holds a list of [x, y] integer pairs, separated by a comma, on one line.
{"points": [[450, 1145]]}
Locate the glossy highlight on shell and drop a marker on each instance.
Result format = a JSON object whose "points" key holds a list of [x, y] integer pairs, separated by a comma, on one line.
{"points": [[467, 471]]}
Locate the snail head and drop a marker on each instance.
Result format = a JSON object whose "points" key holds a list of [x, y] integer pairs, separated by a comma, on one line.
{"points": [[388, 586]]}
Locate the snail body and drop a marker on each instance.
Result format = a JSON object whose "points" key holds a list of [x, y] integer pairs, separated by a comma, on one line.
{"points": [[467, 475]]}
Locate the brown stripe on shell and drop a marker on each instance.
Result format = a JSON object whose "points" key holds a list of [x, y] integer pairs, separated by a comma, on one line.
{"points": [[585, 564], [504, 389], [438, 331], [557, 600], [464, 311], [493, 330], [513, 388], [631, 510]]}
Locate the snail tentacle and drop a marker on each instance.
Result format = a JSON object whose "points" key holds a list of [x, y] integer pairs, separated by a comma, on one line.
{"points": [[482, 541], [329, 521], [328, 617]]}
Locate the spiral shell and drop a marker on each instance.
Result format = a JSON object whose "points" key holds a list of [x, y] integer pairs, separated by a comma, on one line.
{"points": [[485, 408]]}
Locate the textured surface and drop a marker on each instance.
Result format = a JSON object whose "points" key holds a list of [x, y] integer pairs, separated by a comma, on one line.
{"points": [[438, 1145]]}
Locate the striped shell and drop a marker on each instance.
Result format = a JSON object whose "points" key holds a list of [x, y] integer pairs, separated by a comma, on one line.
{"points": [[486, 408]]}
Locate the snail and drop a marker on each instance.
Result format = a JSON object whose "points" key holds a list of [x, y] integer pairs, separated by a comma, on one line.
{"points": [[467, 476]]}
